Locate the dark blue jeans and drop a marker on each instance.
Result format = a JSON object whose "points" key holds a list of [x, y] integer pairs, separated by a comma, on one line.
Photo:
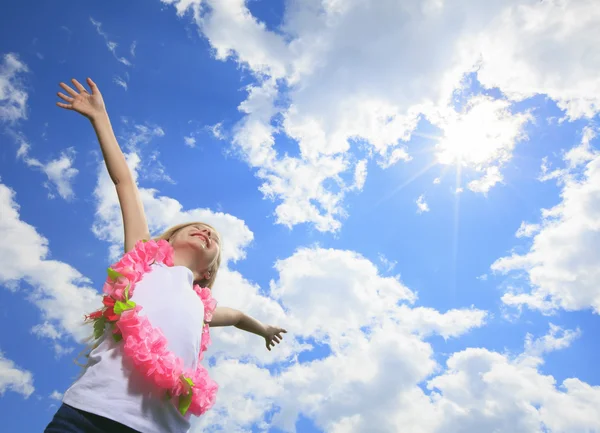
{"points": [[70, 420]]}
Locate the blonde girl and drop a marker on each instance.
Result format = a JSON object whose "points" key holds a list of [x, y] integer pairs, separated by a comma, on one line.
{"points": [[112, 395]]}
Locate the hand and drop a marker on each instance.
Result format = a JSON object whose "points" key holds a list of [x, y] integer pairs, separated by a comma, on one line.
{"points": [[273, 335], [90, 105]]}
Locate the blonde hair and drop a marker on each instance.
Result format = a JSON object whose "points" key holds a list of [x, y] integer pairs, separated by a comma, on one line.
{"points": [[213, 268]]}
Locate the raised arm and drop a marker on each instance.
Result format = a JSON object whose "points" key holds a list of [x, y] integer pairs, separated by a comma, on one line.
{"points": [[91, 105], [223, 316]]}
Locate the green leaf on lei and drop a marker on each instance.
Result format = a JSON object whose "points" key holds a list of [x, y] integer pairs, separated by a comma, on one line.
{"points": [[121, 306], [184, 403], [113, 274], [117, 337], [186, 400], [127, 292], [99, 327]]}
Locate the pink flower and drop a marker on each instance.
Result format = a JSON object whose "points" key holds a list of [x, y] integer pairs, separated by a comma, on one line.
{"points": [[116, 288], [205, 339], [164, 253], [209, 302]]}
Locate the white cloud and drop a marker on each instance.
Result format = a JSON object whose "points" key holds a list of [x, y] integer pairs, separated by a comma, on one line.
{"points": [[62, 294], [246, 392], [47, 330], [491, 177], [13, 378], [366, 330], [138, 135], [437, 181], [56, 395], [111, 45], [527, 230], [347, 289], [427, 321], [120, 82], [422, 205], [556, 339], [392, 157], [483, 390], [377, 383], [132, 48], [217, 131], [13, 97], [388, 264], [563, 261], [340, 95], [542, 48], [60, 171], [189, 141], [360, 174]]}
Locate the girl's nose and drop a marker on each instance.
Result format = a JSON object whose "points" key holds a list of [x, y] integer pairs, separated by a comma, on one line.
{"points": [[207, 231]]}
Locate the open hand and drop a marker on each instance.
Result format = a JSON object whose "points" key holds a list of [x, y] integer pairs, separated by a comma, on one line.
{"points": [[80, 100], [273, 335]]}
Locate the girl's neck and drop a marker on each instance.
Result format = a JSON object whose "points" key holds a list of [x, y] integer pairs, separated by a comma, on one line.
{"points": [[181, 259]]}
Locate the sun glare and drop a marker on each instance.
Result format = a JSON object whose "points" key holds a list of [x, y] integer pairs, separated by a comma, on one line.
{"points": [[484, 133]]}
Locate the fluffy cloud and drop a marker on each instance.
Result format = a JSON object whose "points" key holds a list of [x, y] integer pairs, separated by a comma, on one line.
{"points": [[338, 299], [366, 71], [379, 374], [13, 378], [488, 391], [56, 395], [13, 97], [422, 205], [62, 293], [61, 173], [527, 230], [563, 261], [542, 47]]}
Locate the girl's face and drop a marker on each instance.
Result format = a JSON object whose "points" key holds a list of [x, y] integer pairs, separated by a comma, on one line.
{"points": [[201, 242]]}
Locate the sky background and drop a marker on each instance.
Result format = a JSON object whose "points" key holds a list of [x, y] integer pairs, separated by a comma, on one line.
{"points": [[411, 189]]}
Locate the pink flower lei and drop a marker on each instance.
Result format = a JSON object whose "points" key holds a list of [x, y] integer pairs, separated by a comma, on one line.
{"points": [[145, 345]]}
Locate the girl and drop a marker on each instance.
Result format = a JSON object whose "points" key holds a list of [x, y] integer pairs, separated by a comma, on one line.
{"points": [[145, 372]]}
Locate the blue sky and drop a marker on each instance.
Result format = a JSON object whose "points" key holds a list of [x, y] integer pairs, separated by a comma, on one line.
{"points": [[411, 190]]}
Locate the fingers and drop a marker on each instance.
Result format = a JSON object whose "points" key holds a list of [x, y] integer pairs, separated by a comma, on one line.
{"points": [[66, 106], [68, 89], [64, 97], [92, 86], [78, 85]]}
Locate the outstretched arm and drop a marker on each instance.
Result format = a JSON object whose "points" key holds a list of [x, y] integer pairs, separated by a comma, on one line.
{"points": [[223, 316], [91, 105]]}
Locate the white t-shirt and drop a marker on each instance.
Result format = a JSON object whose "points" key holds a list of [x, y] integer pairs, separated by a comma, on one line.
{"points": [[112, 388]]}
